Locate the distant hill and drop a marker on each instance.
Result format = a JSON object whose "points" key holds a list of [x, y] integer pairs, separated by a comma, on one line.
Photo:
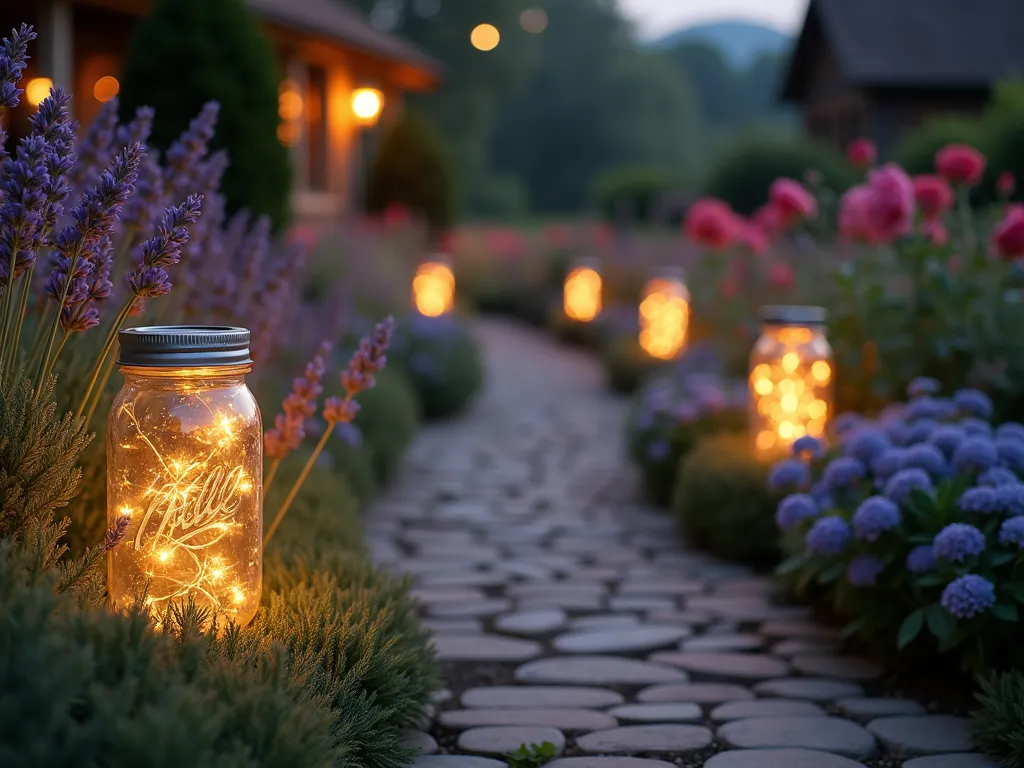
{"points": [[740, 41]]}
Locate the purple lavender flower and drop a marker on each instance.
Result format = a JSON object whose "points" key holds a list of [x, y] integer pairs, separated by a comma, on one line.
{"points": [[81, 311], [23, 205], [920, 559], [95, 150], [874, 516], [658, 450], [185, 154], [828, 536], [1011, 533], [946, 438], [923, 386], [998, 476], [13, 53], [368, 360], [788, 474], [980, 500], [888, 463], [811, 446], [1011, 430], [116, 533], [975, 427], [842, 473], [150, 278], [958, 541], [148, 282], [299, 405], [864, 570], [926, 457], [973, 402], [143, 210], [1011, 499], [350, 433], [794, 509], [138, 130], [899, 486], [1011, 453], [53, 122], [974, 455], [866, 444], [968, 595]]}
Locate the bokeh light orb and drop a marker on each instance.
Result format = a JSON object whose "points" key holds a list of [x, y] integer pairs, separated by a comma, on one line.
{"points": [[485, 37]]}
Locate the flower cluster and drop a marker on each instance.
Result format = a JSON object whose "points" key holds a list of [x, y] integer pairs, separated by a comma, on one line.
{"points": [[299, 405], [367, 361]]}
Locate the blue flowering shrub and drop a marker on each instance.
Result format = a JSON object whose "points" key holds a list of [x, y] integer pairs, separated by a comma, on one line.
{"points": [[675, 410], [912, 525], [442, 360]]}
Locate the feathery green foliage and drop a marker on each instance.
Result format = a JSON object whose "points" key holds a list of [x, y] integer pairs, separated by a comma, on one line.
{"points": [[998, 724]]}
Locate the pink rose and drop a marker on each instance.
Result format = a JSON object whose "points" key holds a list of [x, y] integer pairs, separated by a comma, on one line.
{"points": [[935, 231], [752, 237], [712, 223], [960, 164], [853, 215], [792, 202], [861, 153], [1006, 184], [933, 195], [768, 220], [781, 275], [1008, 237], [890, 209]]}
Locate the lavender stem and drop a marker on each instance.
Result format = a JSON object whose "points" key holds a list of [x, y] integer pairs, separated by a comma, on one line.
{"points": [[270, 475], [98, 366]]}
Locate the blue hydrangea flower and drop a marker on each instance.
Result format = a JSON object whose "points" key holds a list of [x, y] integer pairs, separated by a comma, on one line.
{"points": [[828, 536], [946, 438], [920, 559], [866, 444], [842, 473], [926, 457], [897, 431], [973, 402], [974, 455], [863, 570], [844, 422], [923, 386], [919, 431], [891, 412], [958, 541], [1010, 498], [821, 496], [925, 408], [975, 427], [812, 446], [998, 476], [981, 500], [1011, 429], [968, 595], [787, 475], [658, 450], [899, 486], [1011, 453], [875, 515], [888, 463], [794, 509], [1011, 533]]}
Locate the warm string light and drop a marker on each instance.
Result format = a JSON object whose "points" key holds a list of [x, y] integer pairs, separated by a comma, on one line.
{"points": [[433, 289], [664, 318], [582, 298], [790, 388]]}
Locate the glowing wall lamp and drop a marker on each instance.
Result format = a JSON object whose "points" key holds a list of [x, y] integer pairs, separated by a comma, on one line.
{"points": [[664, 315], [433, 287], [367, 104], [582, 292], [37, 89]]}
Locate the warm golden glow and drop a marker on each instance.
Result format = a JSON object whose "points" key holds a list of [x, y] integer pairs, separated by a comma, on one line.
{"points": [[184, 463], [367, 104], [37, 89], [582, 296], [534, 20], [289, 101], [664, 318], [288, 134], [433, 289], [485, 37], [106, 88], [790, 378]]}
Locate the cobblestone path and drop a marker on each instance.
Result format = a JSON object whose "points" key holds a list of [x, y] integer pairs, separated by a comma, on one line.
{"points": [[565, 611]]}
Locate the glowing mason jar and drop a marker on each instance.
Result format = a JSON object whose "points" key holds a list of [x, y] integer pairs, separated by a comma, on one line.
{"points": [[184, 463], [582, 292], [664, 315], [791, 370], [433, 287]]}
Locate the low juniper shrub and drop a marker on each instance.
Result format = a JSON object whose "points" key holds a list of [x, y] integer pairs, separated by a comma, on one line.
{"points": [[997, 725]]}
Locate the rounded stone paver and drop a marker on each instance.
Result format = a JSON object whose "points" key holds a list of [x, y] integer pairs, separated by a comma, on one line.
{"points": [[605, 621], [699, 693], [597, 670], [657, 713], [545, 697], [807, 630], [922, 734], [608, 762], [722, 643], [951, 761], [500, 740], [641, 603], [564, 719], [469, 609], [864, 708], [484, 648], [740, 710], [725, 666], [627, 640], [456, 761], [422, 742], [646, 738], [801, 647], [825, 734], [780, 758], [820, 690], [539, 621], [685, 618], [842, 667]]}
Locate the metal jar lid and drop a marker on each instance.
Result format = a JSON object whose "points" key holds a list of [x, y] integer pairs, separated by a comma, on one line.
{"points": [[185, 346], [780, 314]]}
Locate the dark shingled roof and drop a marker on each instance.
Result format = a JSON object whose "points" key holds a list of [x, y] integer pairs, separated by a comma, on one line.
{"points": [[337, 20], [915, 43]]}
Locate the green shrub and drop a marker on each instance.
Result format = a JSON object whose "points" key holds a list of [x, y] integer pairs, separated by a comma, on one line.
{"points": [[743, 173], [916, 153], [626, 365], [631, 194], [387, 422], [185, 53], [998, 724], [443, 362], [412, 168], [721, 502]]}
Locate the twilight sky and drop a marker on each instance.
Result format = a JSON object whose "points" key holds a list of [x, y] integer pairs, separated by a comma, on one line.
{"points": [[655, 17]]}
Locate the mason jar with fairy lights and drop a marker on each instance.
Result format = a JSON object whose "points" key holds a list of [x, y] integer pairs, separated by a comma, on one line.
{"points": [[581, 295], [433, 287], [664, 314], [184, 465], [791, 371]]}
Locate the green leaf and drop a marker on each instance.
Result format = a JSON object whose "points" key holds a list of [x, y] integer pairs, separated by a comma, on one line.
{"points": [[1000, 558], [833, 572], [940, 622], [791, 565], [1017, 590], [853, 627], [931, 580], [910, 628], [1005, 611]]}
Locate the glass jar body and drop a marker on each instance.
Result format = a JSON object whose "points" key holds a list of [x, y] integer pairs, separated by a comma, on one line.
{"points": [[664, 317], [791, 371], [184, 463]]}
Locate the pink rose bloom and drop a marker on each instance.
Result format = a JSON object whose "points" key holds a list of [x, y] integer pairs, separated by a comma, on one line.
{"points": [[960, 164], [711, 223], [781, 275], [861, 153], [853, 215], [792, 202], [1008, 237], [768, 220], [933, 195], [890, 209], [935, 231], [1006, 184], [752, 237]]}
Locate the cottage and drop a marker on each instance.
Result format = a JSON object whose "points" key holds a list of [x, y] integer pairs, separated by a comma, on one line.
{"points": [[327, 53], [877, 68]]}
